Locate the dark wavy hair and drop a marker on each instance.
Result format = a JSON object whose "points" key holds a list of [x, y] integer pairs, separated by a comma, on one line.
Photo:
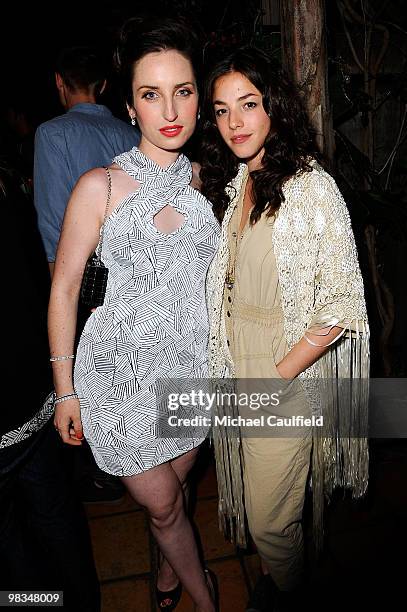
{"points": [[287, 148], [142, 35]]}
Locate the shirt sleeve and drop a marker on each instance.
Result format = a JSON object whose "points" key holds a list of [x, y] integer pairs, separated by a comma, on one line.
{"points": [[52, 186]]}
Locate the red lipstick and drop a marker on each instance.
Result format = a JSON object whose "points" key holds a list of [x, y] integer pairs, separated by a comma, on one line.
{"points": [[171, 130], [240, 138]]}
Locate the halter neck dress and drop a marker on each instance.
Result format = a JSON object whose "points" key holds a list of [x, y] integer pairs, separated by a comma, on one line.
{"points": [[153, 323]]}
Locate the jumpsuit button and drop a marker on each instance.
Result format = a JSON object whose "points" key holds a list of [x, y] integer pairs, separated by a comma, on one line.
{"points": [[228, 343], [228, 313], [229, 299]]}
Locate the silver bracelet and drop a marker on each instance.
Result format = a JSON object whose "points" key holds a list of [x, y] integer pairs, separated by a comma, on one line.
{"points": [[62, 357], [64, 398]]}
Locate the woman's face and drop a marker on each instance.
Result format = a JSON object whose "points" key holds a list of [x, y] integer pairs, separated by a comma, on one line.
{"points": [[241, 119], [165, 103]]}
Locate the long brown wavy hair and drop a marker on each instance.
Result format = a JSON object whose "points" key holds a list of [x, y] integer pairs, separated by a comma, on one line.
{"points": [[288, 147]]}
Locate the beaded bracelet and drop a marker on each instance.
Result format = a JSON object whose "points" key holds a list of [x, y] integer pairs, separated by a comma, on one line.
{"points": [[62, 357], [64, 398]]}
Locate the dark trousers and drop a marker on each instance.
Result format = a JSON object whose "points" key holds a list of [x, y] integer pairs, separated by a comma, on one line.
{"points": [[44, 537]]}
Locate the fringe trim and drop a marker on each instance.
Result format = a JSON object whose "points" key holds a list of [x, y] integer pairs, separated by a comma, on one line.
{"points": [[342, 458], [229, 473]]}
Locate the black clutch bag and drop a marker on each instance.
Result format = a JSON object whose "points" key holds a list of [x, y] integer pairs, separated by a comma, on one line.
{"points": [[94, 280]]}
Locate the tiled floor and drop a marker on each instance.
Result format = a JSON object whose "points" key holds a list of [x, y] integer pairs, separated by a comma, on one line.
{"points": [[363, 559]]}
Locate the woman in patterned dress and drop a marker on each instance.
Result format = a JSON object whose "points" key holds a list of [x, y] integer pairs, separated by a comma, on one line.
{"points": [[284, 286], [159, 238]]}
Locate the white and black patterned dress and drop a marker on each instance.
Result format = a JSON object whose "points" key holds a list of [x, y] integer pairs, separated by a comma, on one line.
{"points": [[153, 323]]}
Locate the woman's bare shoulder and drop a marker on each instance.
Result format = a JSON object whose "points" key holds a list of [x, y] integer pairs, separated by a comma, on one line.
{"points": [[93, 180], [93, 186]]}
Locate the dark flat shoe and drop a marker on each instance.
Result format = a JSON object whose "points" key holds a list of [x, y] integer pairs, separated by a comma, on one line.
{"points": [[168, 600]]}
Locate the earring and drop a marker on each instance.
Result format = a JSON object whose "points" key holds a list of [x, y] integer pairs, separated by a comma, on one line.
{"points": [[133, 121], [198, 115]]}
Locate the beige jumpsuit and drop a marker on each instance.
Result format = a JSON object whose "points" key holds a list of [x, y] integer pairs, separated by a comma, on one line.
{"points": [[275, 468]]}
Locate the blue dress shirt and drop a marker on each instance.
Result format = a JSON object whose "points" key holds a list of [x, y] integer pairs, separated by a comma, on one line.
{"points": [[87, 136]]}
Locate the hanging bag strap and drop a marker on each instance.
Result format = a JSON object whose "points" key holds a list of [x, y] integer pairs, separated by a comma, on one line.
{"points": [[102, 229]]}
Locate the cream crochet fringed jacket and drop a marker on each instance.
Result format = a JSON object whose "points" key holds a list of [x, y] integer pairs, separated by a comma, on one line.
{"points": [[321, 286]]}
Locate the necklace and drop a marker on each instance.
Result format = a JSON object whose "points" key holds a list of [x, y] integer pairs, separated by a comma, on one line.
{"points": [[230, 281], [230, 278], [230, 274]]}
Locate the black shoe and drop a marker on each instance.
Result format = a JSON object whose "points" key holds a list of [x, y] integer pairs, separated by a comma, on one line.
{"points": [[101, 489], [168, 600], [263, 596]]}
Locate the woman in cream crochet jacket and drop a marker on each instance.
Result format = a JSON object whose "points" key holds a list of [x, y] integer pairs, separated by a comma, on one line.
{"points": [[286, 301]]}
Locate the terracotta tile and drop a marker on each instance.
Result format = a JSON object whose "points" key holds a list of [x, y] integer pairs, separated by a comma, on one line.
{"points": [[126, 505], [186, 604], [120, 545], [206, 519], [232, 588], [126, 596], [207, 485]]}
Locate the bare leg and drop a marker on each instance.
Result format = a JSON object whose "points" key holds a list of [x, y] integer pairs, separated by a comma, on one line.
{"points": [[167, 578], [160, 492]]}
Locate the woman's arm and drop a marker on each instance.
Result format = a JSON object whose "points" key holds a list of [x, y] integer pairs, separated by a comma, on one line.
{"points": [[79, 238], [304, 354]]}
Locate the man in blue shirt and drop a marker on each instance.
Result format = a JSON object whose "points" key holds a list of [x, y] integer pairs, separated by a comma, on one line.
{"points": [[87, 136]]}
